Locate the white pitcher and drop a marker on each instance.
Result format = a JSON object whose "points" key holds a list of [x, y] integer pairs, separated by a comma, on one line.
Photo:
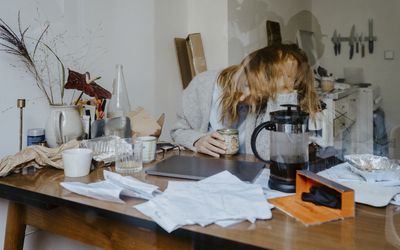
{"points": [[64, 124]]}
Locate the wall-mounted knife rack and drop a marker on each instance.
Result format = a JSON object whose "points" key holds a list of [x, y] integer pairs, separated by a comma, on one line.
{"points": [[347, 39], [355, 40]]}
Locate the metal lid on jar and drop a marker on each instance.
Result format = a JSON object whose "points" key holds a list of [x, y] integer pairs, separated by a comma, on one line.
{"points": [[228, 131], [36, 132]]}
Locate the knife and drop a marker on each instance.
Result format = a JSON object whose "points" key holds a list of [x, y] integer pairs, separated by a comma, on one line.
{"points": [[357, 44], [370, 36], [335, 42], [351, 41], [362, 45]]}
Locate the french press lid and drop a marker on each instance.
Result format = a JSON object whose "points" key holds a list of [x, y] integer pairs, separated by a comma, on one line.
{"points": [[290, 120]]}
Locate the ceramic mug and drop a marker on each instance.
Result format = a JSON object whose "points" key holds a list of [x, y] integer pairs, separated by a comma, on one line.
{"points": [[149, 144], [77, 162]]}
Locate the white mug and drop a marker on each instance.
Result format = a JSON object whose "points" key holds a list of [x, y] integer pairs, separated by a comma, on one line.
{"points": [[77, 162], [149, 144]]}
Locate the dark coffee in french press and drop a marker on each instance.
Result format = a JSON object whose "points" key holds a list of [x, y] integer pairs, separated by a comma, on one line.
{"points": [[289, 140]]}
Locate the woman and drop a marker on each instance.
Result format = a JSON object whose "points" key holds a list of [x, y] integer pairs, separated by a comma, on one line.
{"points": [[241, 96]]}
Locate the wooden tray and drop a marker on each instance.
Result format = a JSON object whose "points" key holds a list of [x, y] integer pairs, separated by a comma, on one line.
{"points": [[309, 213]]}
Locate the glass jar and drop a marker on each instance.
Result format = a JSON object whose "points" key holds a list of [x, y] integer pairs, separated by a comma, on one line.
{"points": [[231, 137], [36, 136]]}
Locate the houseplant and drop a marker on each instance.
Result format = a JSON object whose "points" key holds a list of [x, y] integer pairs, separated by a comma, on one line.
{"points": [[63, 122]]}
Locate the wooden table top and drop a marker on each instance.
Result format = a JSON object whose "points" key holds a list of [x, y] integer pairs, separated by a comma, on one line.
{"points": [[372, 228]]}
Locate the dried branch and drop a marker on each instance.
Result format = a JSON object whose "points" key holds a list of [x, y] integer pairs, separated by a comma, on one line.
{"points": [[15, 44]]}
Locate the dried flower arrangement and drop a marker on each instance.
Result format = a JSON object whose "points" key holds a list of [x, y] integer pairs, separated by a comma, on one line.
{"points": [[16, 44]]}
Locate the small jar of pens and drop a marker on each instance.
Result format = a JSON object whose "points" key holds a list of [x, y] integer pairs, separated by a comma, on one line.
{"points": [[91, 110]]}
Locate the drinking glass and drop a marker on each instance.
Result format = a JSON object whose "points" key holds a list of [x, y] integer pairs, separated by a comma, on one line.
{"points": [[128, 162]]}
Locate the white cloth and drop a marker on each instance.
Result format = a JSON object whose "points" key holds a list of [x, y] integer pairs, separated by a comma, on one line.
{"points": [[376, 188], [113, 187], [222, 199]]}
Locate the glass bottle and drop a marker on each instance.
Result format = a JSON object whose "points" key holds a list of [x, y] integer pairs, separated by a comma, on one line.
{"points": [[119, 103]]}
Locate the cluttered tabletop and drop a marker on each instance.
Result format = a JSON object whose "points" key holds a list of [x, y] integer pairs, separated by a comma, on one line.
{"points": [[370, 228]]}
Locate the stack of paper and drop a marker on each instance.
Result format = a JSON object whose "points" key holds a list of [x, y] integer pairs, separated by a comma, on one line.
{"points": [[113, 187], [222, 199]]}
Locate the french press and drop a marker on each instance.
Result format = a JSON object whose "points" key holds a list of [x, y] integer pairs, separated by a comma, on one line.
{"points": [[288, 146]]}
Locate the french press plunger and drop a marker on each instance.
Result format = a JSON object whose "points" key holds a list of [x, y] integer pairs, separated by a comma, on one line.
{"points": [[288, 146]]}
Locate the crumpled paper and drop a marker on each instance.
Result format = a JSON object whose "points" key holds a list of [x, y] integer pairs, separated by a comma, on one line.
{"points": [[113, 187], [222, 199], [37, 156], [375, 188]]}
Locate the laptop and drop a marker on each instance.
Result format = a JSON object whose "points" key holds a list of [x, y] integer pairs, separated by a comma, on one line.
{"points": [[197, 168]]}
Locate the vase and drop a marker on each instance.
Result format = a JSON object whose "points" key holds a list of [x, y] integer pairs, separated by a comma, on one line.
{"points": [[63, 124], [119, 105]]}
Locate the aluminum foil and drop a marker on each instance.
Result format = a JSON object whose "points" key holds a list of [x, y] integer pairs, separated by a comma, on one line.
{"points": [[369, 162]]}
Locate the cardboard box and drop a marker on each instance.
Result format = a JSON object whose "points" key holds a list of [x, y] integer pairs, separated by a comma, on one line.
{"points": [[143, 124], [196, 53], [191, 58], [183, 61]]}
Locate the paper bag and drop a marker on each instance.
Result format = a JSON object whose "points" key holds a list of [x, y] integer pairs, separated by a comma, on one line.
{"points": [[142, 123]]}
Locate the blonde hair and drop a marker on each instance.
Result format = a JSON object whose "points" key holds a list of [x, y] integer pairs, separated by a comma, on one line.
{"points": [[260, 71]]}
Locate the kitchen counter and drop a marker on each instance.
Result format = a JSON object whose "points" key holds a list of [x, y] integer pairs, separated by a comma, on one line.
{"points": [[337, 93]]}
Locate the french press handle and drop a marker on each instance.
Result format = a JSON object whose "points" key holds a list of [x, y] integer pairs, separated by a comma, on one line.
{"points": [[265, 125]]}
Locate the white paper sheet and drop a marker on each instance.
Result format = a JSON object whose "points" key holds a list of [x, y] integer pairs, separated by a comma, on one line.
{"points": [[102, 190], [131, 186], [113, 187], [221, 199]]}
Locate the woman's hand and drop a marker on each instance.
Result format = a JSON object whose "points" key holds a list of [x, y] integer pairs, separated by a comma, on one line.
{"points": [[211, 144]]}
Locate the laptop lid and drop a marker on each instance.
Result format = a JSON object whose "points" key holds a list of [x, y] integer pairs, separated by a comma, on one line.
{"points": [[197, 168]]}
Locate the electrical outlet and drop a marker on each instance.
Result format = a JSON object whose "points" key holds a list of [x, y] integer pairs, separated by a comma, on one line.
{"points": [[389, 54]]}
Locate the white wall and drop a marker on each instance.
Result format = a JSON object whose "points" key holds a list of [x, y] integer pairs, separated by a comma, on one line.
{"points": [[341, 15], [247, 24], [168, 25]]}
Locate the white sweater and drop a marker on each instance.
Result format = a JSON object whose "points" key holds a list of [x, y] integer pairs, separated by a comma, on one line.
{"points": [[194, 113]]}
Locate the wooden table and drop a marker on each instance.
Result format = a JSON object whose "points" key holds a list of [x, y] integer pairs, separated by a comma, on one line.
{"points": [[37, 199]]}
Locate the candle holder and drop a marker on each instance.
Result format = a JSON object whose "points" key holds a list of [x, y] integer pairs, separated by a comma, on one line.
{"points": [[21, 106]]}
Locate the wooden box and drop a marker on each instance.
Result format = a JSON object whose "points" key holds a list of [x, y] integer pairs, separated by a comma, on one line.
{"points": [[309, 213]]}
